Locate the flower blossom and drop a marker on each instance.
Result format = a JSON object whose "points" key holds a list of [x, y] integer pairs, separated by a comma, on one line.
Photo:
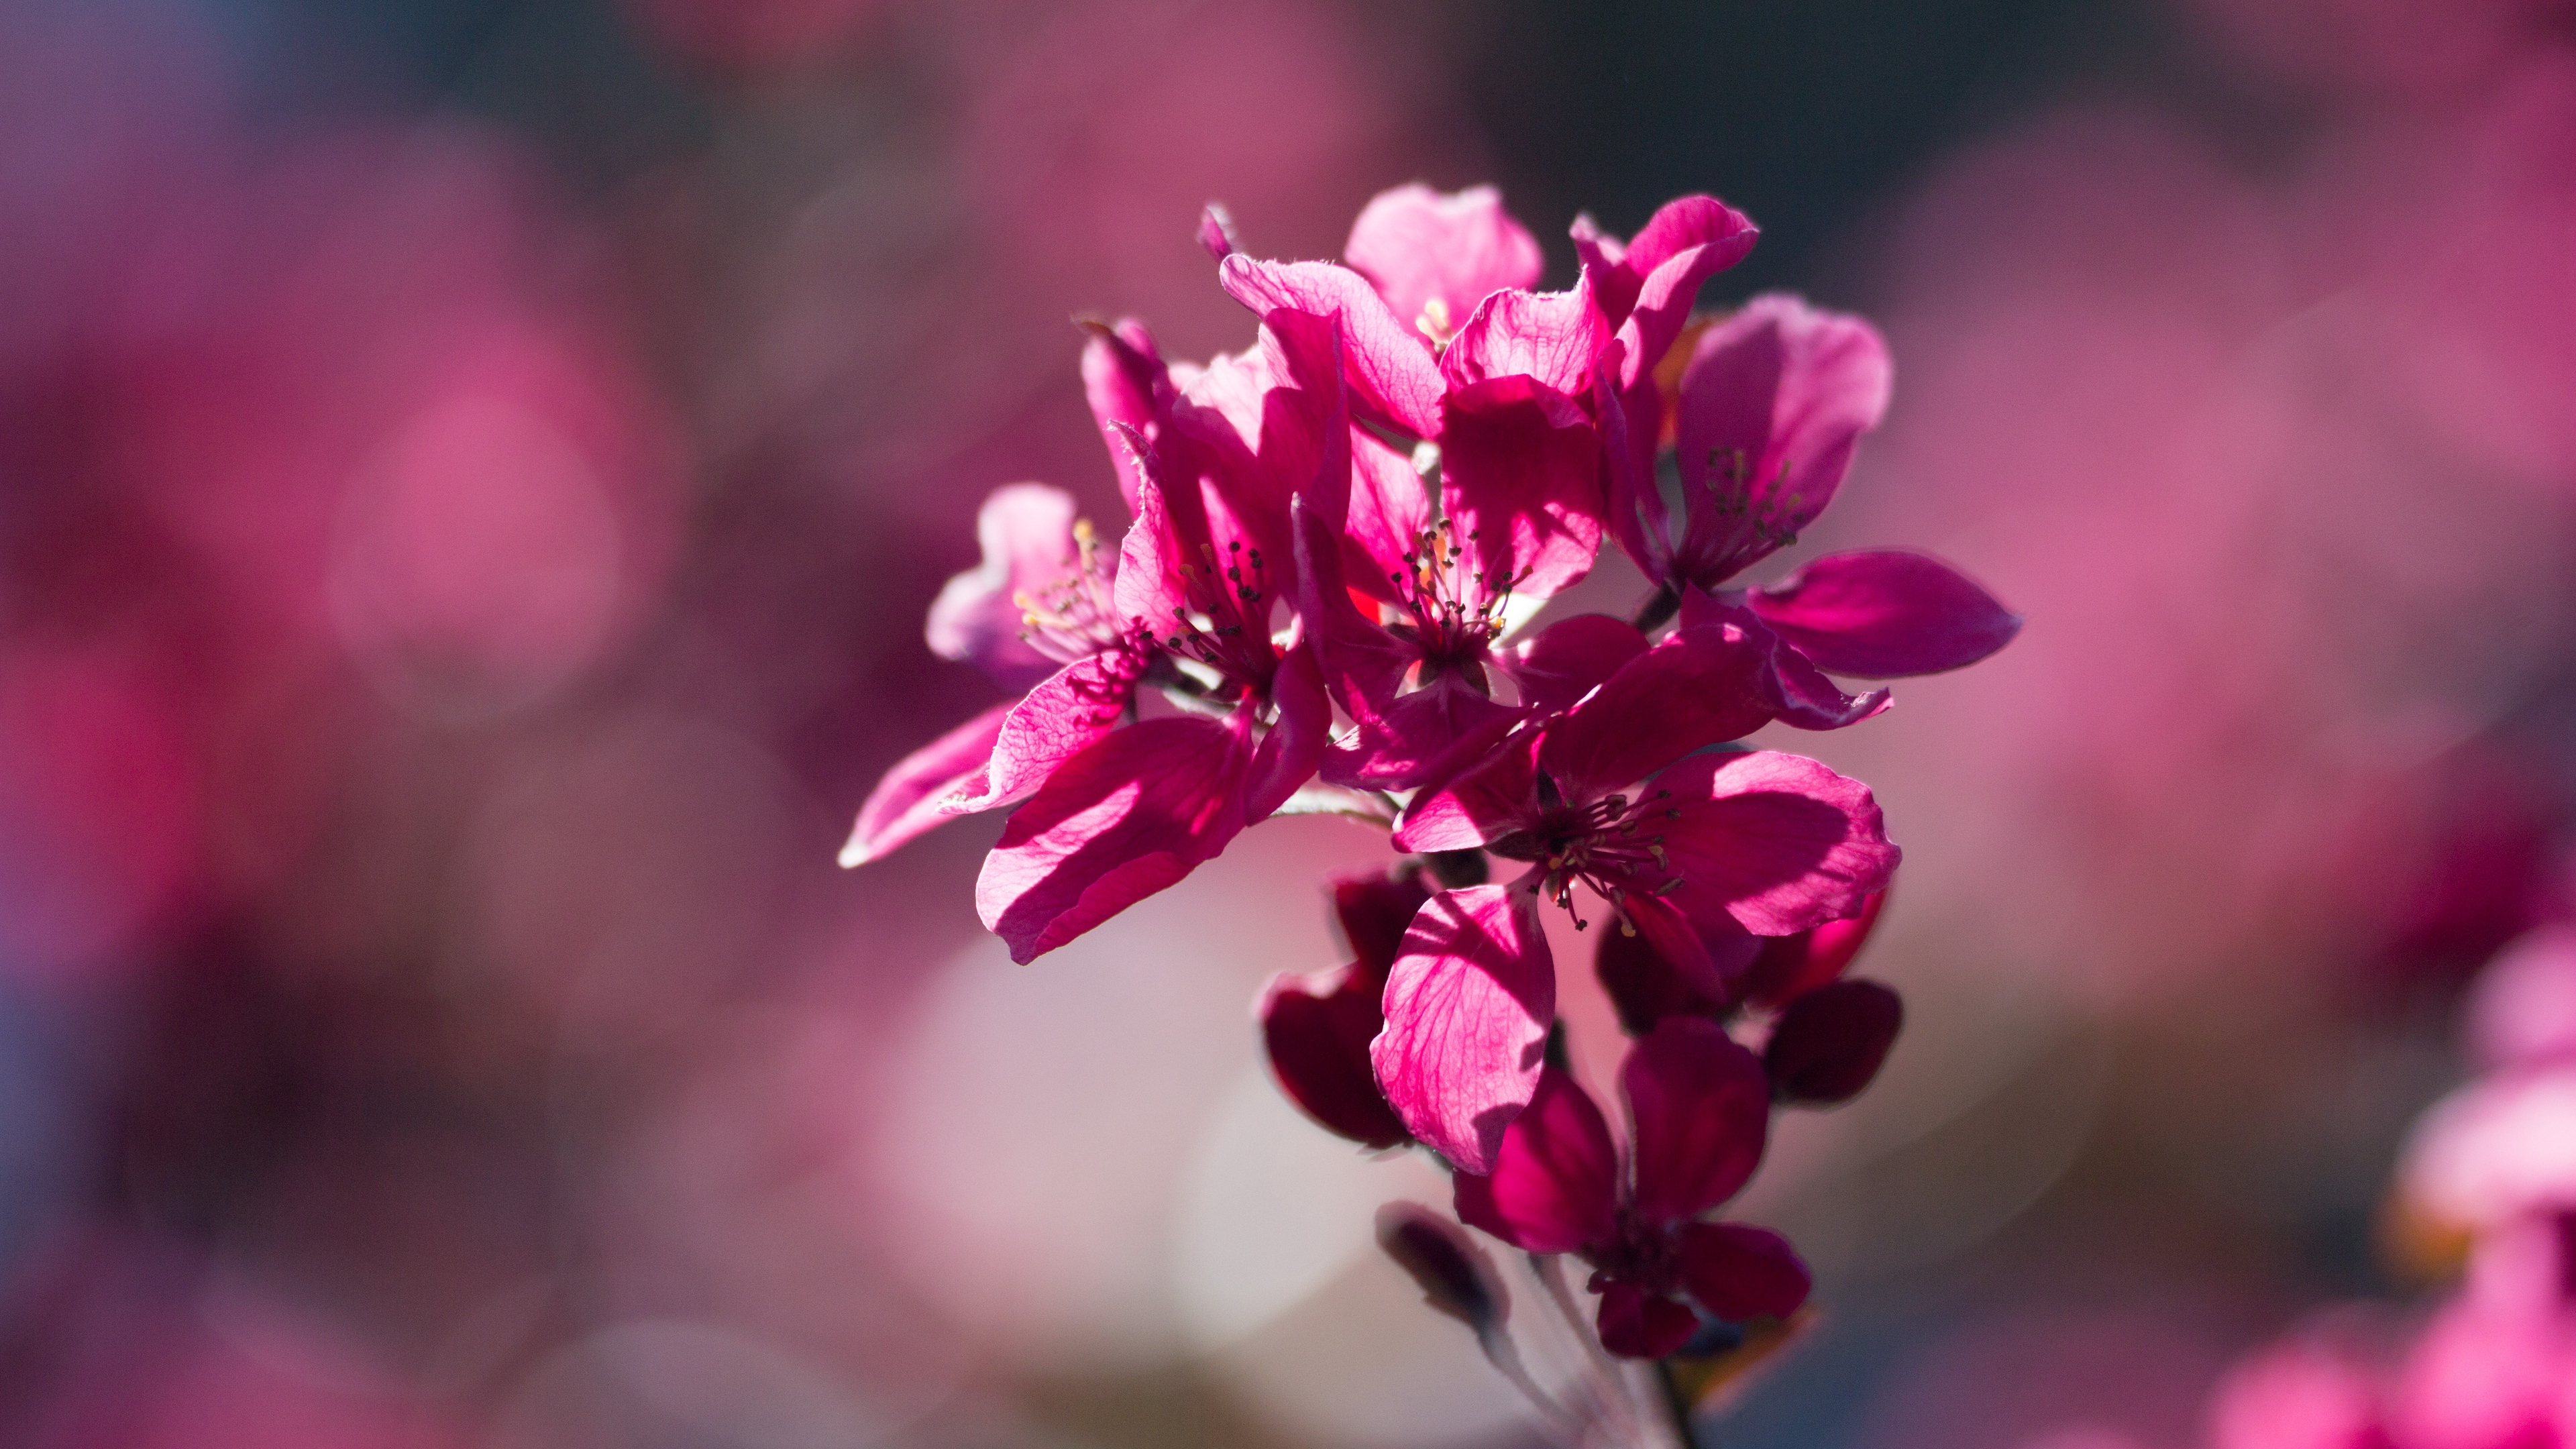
{"points": [[1770, 409], [1698, 1114], [1708, 849], [1114, 806], [1410, 585]]}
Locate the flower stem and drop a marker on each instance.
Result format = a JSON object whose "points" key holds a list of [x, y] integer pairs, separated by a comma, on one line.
{"points": [[1680, 1407], [1659, 607]]}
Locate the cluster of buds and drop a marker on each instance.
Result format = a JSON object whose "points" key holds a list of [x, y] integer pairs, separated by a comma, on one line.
{"points": [[1343, 540]]}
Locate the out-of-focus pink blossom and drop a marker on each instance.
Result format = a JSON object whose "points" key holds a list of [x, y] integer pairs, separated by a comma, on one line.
{"points": [[2522, 1009]]}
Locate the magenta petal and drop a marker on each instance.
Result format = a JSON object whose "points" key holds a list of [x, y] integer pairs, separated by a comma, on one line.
{"points": [[1696, 688], [1475, 806], [1130, 815], [1373, 910], [1777, 843], [1391, 367], [1772, 406], [1216, 232], [906, 802], [1637, 1324], [1885, 614], [1791, 966], [1737, 1272], [1830, 1042], [1316, 1030], [1125, 379], [1552, 338], [1050, 725], [1564, 661], [1520, 470], [1701, 1108], [1645, 986], [1555, 1183], [1789, 684], [1287, 756], [1025, 531], [1420, 246], [1614, 287], [1468, 1007], [1413, 738], [1684, 244]]}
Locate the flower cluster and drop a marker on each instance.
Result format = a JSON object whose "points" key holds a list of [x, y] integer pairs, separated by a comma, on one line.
{"points": [[1327, 598]]}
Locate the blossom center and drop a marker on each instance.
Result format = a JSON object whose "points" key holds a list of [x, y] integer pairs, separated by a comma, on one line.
{"points": [[1604, 844], [1451, 610], [1751, 522], [1072, 618], [1223, 625]]}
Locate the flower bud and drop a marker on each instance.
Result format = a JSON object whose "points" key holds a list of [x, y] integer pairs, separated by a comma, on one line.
{"points": [[1455, 1275], [1316, 1031], [1830, 1042]]}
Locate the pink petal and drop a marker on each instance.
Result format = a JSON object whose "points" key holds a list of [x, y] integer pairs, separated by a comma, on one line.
{"points": [[1830, 1042], [1696, 688], [1133, 813], [1777, 843], [1476, 806], [1216, 232], [1552, 338], [2309, 1393], [1287, 756], [1638, 1324], [1050, 725], [1412, 738], [1148, 587], [1789, 684], [1682, 245], [1645, 985], [1391, 367], [1614, 286], [1885, 614], [1791, 966], [1125, 379], [1316, 1031], [1772, 406], [1520, 477], [1630, 422], [1389, 508], [1566, 660], [1555, 1183], [906, 802], [1373, 910], [1737, 1272], [1701, 1109], [1025, 531], [1468, 1007], [1419, 246]]}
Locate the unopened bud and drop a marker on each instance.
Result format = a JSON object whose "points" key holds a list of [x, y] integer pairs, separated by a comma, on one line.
{"points": [[1830, 1042], [1454, 1274]]}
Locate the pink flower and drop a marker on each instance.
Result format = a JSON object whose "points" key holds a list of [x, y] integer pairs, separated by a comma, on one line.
{"points": [[1712, 848], [1771, 408], [1316, 1028], [1038, 615], [1699, 1110], [1434, 257], [1139, 808]]}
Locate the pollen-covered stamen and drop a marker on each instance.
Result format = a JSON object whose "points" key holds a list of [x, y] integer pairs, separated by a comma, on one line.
{"points": [[1435, 324], [1454, 609], [1225, 626], [1072, 618], [1605, 845], [1757, 520]]}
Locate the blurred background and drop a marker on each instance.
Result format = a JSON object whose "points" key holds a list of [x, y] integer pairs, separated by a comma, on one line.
{"points": [[471, 474]]}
